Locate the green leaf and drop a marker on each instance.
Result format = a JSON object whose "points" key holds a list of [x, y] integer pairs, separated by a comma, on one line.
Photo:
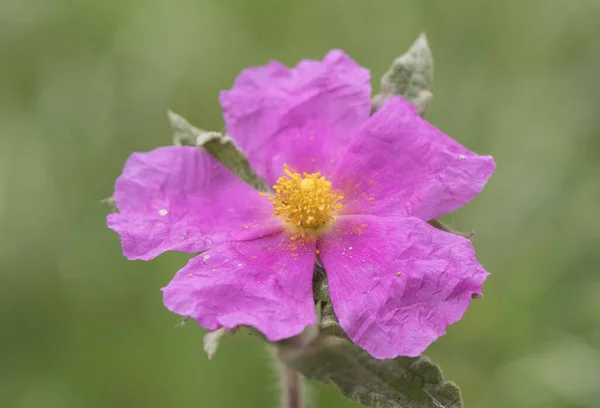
{"points": [[110, 202], [403, 382], [221, 147], [211, 340], [327, 318], [410, 75], [320, 285], [444, 227]]}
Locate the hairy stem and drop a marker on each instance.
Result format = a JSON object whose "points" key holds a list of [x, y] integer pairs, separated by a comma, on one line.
{"points": [[291, 388]]}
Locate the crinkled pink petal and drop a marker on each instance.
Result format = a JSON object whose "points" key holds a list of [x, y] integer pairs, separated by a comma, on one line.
{"points": [[181, 198], [399, 164], [265, 283], [304, 116], [396, 283]]}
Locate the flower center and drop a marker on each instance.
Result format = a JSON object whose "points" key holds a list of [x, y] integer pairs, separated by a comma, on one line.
{"points": [[306, 200]]}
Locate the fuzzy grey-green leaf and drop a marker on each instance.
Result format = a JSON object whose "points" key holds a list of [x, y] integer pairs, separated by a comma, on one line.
{"points": [[211, 341], [410, 75], [444, 227], [328, 320], [110, 201], [220, 146], [403, 382]]}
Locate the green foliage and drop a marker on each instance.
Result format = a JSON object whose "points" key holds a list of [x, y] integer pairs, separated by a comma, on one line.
{"points": [[220, 146], [402, 382], [212, 340], [410, 75]]}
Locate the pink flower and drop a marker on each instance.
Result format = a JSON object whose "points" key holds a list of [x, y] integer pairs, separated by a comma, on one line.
{"points": [[354, 192]]}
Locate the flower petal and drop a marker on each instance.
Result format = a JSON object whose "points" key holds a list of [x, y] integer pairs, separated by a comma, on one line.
{"points": [[396, 283], [265, 283], [304, 116], [399, 164], [181, 198]]}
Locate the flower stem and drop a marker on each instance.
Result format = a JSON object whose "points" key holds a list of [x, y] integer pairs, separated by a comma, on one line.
{"points": [[291, 388]]}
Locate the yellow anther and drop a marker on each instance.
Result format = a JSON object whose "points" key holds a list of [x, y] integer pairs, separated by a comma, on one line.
{"points": [[307, 184], [306, 200]]}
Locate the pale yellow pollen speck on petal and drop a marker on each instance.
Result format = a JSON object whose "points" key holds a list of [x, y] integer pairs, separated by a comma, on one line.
{"points": [[305, 201]]}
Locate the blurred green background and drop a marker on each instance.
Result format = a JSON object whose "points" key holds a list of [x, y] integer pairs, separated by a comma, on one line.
{"points": [[85, 83]]}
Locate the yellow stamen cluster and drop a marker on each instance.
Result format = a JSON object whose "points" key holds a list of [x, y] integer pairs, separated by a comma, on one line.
{"points": [[306, 200]]}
